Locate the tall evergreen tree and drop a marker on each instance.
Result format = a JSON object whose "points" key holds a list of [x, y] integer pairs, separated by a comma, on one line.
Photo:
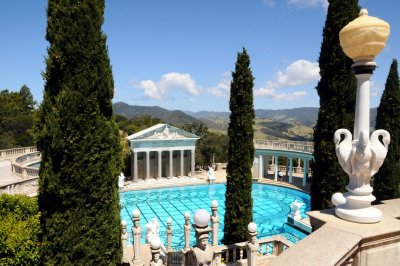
{"points": [[337, 91], [387, 180], [78, 139], [238, 201]]}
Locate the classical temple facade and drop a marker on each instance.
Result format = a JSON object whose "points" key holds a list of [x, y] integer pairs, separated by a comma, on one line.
{"points": [[162, 151]]}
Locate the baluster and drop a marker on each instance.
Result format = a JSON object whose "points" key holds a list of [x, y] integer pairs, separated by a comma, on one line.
{"points": [[241, 254], [227, 256], [234, 255]]}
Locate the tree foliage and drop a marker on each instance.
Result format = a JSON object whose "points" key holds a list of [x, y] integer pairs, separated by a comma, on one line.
{"points": [[19, 230], [78, 140], [136, 124], [337, 92], [387, 180], [238, 201], [16, 118], [211, 146]]}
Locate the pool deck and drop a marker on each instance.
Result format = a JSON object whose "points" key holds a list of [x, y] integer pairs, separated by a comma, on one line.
{"points": [[6, 177], [201, 178]]}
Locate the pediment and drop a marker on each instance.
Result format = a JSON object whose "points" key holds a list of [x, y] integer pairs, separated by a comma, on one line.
{"points": [[162, 132]]}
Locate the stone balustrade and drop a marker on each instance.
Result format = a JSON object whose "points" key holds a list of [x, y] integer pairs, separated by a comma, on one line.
{"points": [[253, 252], [20, 168], [26, 187], [307, 147], [12, 153]]}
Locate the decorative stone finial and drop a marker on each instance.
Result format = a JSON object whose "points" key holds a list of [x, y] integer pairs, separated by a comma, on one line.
{"points": [[363, 12], [252, 227], [201, 218], [136, 213], [155, 243], [214, 203]]}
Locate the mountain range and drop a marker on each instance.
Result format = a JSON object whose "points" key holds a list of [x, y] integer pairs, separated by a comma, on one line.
{"points": [[292, 124]]}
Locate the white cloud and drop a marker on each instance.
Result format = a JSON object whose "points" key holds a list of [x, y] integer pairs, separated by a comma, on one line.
{"points": [[159, 90], [289, 96], [309, 3], [298, 73], [268, 3], [223, 87]]}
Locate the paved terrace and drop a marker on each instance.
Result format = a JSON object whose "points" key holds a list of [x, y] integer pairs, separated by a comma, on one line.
{"points": [[264, 148]]}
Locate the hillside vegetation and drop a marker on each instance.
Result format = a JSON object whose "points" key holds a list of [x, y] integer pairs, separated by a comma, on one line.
{"points": [[291, 124]]}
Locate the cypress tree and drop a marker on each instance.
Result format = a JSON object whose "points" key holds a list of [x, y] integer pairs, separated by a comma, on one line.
{"points": [[238, 201], [78, 140], [387, 180], [337, 91]]}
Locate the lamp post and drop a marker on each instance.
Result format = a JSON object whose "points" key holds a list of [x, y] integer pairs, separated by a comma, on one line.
{"points": [[361, 155]]}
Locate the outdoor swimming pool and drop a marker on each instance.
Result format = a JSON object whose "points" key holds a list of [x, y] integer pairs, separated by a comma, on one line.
{"points": [[271, 205]]}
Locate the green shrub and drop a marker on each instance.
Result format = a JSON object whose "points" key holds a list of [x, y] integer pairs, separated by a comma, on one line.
{"points": [[19, 230]]}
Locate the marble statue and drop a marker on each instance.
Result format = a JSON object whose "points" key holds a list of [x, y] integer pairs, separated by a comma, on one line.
{"points": [[153, 233], [295, 210], [121, 180], [166, 134], [203, 253], [211, 175]]}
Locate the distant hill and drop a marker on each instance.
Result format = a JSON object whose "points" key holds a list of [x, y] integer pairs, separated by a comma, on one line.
{"points": [[292, 124], [175, 117], [305, 115]]}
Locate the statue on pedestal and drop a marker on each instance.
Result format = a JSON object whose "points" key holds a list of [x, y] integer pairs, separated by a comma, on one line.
{"points": [[203, 252], [211, 175], [121, 180]]}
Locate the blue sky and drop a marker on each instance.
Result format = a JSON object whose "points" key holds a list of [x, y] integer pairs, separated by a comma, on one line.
{"points": [[179, 54]]}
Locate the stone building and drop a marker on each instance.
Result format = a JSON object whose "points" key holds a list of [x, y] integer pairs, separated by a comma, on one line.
{"points": [[162, 151]]}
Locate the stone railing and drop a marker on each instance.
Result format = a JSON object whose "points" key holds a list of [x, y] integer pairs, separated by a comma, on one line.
{"points": [[307, 147], [27, 187], [12, 153], [19, 166], [282, 168], [253, 252]]}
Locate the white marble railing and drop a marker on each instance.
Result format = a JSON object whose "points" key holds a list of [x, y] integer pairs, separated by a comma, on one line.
{"points": [[301, 146], [12, 153], [236, 254], [19, 166], [27, 187]]}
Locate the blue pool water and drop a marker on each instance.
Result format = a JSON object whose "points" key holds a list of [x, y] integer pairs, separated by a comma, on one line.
{"points": [[35, 165], [271, 205]]}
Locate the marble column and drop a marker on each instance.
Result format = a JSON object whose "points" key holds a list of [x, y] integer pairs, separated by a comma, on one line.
{"points": [[182, 154], [276, 168], [192, 169], [260, 166], [305, 172], [159, 164], [287, 168], [298, 165], [135, 167], [147, 164], [170, 163], [290, 170]]}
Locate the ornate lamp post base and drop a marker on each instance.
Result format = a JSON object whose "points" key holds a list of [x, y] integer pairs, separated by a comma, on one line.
{"points": [[355, 208], [361, 155]]}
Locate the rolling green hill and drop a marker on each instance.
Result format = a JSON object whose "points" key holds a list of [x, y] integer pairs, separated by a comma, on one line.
{"points": [[291, 124]]}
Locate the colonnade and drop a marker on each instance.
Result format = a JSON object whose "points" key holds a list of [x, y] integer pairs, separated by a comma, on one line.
{"points": [[164, 168], [264, 161]]}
